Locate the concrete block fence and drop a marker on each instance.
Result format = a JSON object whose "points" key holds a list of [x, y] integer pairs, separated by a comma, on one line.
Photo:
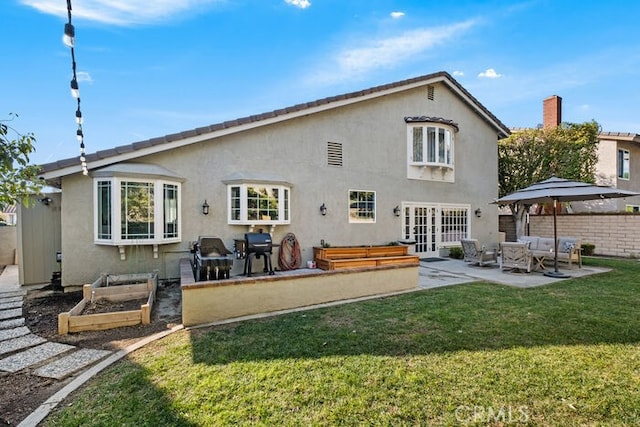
{"points": [[612, 234]]}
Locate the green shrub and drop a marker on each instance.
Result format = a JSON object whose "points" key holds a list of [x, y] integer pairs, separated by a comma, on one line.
{"points": [[588, 248], [456, 252]]}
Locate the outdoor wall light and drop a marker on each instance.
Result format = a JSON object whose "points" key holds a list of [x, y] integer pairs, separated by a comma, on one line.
{"points": [[205, 208], [396, 211], [323, 210], [478, 212], [46, 201]]}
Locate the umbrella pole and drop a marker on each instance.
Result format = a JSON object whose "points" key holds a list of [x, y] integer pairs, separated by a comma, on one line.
{"points": [[555, 273]]}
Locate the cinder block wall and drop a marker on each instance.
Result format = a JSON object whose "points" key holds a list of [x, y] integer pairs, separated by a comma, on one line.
{"points": [[613, 234]]}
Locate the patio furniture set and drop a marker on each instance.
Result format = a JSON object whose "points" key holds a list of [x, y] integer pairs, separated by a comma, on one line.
{"points": [[528, 253]]}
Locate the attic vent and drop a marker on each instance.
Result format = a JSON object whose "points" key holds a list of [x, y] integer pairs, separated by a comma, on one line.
{"points": [[431, 92], [334, 154]]}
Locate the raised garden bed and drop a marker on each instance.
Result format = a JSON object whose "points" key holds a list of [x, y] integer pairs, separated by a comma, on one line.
{"points": [[103, 300], [335, 258]]}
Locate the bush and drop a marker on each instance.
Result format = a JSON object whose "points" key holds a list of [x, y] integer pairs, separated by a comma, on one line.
{"points": [[456, 252], [588, 248]]}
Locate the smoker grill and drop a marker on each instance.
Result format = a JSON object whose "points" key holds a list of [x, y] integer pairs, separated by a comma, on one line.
{"points": [[211, 259], [257, 245]]}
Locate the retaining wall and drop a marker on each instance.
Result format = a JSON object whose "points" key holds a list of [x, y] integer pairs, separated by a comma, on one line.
{"points": [[206, 302]]}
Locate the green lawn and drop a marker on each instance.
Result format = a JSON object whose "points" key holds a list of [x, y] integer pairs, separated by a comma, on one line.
{"points": [[477, 354]]}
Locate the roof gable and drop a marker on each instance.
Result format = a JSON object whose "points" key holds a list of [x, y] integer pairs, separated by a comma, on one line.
{"points": [[171, 141]]}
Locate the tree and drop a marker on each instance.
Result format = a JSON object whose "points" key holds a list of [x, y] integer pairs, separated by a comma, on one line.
{"points": [[525, 157], [18, 179]]}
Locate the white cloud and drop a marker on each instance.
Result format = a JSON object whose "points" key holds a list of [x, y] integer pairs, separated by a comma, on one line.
{"points": [[458, 73], [387, 52], [397, 15], [120, 12], [302, 4], [490, 73], [83, 76]]}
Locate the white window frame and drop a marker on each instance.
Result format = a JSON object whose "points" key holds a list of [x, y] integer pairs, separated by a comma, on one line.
{"points": [[365, 219], [116, 218], [458, 218], [284, 204], [431, 153]]}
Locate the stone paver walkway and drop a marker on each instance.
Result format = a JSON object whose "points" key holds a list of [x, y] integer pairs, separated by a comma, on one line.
{"points": [[22, 350]]}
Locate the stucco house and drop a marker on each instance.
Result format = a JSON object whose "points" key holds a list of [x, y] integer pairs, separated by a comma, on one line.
{"points": [[414, 159], [616, 166]]}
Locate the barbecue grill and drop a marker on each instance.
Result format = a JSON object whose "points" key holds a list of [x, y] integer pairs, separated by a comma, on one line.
{"points": [[257, 245], [211, 259]]}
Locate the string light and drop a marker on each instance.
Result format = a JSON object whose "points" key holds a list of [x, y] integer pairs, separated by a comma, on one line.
{"points": [[69, 40]]}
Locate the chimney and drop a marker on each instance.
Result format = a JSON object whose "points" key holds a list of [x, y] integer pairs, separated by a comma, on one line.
{"points": [[552, 112]]}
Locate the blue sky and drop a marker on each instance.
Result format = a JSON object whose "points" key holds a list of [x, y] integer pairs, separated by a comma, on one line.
{"points": [[148, 68]]}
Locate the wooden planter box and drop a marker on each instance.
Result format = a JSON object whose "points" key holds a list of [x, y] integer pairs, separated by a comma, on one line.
{"points": [[334, 258], [113, 288]]}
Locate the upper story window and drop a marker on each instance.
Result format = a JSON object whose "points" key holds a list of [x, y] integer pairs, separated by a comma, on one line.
{"points": [[362, 206], [623, 164], [430, 148], [258, 199], [136, 204]]}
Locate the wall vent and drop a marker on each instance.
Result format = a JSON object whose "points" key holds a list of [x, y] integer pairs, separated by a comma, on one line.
{"points": [[334, 154], [431, 92]]}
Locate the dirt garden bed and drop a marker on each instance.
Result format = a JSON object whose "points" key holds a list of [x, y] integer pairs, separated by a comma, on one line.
{"points": [[22, 392], [110, 302]]}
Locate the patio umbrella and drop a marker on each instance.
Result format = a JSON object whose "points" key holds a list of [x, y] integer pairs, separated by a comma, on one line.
{"points": [[554, 190]]}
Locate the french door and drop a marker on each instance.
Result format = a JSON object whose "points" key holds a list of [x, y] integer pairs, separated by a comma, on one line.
{"points": [[433, 226], [420, 225]]}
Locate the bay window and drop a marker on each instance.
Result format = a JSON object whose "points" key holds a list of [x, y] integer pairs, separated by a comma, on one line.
{"points": [[136, 208], [430, 148]]}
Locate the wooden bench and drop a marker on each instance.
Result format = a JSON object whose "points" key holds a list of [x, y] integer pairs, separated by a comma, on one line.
{"points": [[362, 256]]}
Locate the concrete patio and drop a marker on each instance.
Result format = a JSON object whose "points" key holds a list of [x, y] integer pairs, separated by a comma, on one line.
{"points": [[446, 272]]}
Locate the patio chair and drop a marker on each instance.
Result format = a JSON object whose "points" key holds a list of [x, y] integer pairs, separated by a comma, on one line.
{"points": [[474, 253], [515, 256]]}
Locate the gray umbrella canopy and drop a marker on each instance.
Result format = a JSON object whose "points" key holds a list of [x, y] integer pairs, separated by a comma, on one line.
{"points": [[554, 190], [562, 190]]}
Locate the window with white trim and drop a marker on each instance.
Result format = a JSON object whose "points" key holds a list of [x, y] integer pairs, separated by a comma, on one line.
{"points": [[454, 224], [431, 146], [362, 206], [258, 203], [136, 211], [623, 164]]}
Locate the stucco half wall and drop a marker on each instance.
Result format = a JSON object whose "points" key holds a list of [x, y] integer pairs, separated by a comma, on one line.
{"points": [[206, 302]]}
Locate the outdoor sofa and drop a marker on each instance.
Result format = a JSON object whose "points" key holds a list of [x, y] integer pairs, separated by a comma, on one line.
{"points": [[569, 248]]}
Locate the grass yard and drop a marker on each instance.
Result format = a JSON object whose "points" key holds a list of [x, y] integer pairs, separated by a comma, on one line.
{"points": [[567, 354]]}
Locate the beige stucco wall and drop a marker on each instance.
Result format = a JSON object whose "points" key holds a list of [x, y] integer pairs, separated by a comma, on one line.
{"points": [[374, 138], [8, 245], [607, 174], [212, 301]]}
